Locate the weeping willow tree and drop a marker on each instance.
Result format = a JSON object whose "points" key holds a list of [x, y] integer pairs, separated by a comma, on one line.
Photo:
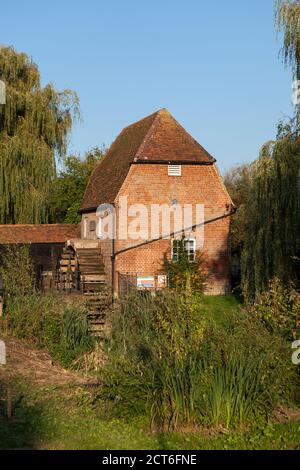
{"points": [[288, 21], [271, 245], [272, 233], [34, 126]]}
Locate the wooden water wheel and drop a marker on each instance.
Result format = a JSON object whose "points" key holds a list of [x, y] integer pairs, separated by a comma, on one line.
{"points": [[80, 269], [67, 273]]}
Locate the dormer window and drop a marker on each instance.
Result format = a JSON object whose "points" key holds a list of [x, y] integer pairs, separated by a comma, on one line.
{"points": [[174, 170]]}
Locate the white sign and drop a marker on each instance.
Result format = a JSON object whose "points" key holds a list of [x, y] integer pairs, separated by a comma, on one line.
{"points": [[2, 353], [161, 280], [296, 354], [145, 282]]}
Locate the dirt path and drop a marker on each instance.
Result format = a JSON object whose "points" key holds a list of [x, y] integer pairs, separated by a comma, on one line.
{"points": [[35, 366]]}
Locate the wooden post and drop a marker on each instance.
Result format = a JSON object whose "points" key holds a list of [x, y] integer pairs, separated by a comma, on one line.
{"points": [[8, 402]]}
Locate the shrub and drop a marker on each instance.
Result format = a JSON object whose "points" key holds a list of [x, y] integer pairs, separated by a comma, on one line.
{"points": [[41, 319], [17, 271], [185, 274], [75, 338], [48, 321], [246, 373], [278, 308], [167, 359], [153, 342]]}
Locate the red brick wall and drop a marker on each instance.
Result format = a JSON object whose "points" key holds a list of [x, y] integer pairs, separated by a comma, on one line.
{"points": [[150, 184], [199, 184]]}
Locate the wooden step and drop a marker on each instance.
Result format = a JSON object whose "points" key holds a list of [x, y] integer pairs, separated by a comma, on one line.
{"points": [[94, 328]]}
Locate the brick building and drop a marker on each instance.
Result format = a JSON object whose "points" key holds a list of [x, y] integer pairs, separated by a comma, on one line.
{"points": [[155, 161]]}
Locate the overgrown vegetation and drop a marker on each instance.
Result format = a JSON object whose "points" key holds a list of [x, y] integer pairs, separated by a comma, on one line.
{"points": [[43, 320], [64, 418], [15, 263], [48, 321], [169, 360], [189, 272], [278, 308]]}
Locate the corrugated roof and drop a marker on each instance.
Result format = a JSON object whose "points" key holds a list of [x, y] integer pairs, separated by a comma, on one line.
{"points": [[156, 138], [43, 233]]}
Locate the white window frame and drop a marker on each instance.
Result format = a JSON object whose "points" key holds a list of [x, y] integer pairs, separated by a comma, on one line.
{"points": [[174, 170], [191, 253]]}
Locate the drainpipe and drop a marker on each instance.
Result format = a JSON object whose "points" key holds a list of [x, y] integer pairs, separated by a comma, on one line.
{"points": [[113, 263], [113, 259]]}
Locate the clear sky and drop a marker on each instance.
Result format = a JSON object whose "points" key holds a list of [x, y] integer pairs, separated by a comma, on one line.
{"points": [[214, 64]]}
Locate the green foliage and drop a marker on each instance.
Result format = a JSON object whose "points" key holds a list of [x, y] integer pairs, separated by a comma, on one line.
{"points": [[244, 375], [25, 316], [75, 338], [46, 321], [67, 418], [234, 393], [169, 359], [42, 320], [184, 274], [16, 270], [34, 126], [288, 21], [68, 188], [271, 245], [153, 344], [238, 182], [278, 308]]}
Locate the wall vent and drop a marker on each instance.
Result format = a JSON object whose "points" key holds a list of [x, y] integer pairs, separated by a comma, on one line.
{"points": [[174, 170]]}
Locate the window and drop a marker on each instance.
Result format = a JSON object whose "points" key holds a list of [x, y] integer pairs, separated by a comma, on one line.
{"points": [[189, 247], [174, 170], [92, 226]]}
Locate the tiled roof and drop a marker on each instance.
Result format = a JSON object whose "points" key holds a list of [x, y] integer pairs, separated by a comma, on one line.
{"points": [[156, 138], [43, 233]]}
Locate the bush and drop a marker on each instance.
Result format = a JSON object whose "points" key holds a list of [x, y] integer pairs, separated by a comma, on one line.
{"points": [[167, 359], [186, 274], [43, 320], [47, 321], [246, 373], [278, 309], [17, 271], [152, 335], [75, 338]]}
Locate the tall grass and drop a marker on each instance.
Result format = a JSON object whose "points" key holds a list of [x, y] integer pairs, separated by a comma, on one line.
{"points": [[44, 320], [236, 393], [167, 359]]}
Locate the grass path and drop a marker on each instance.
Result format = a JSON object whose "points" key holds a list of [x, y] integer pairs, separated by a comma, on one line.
{"points": [[35, 366]]}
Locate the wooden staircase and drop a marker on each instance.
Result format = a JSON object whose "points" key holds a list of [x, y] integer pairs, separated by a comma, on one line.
{"points": [[98, 307], [91, 269]]}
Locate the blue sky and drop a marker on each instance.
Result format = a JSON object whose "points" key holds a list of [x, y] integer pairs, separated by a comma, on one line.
{"points": [[214, 64]]}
